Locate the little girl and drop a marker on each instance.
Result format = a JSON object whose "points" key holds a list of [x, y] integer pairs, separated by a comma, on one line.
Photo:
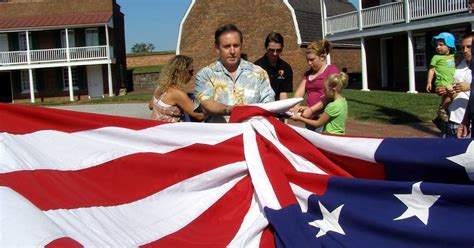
{"points": [[170, 99], [335, 113]]}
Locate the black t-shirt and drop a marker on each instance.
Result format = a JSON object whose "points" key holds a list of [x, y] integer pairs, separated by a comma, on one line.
{"points": [[281, 76]]}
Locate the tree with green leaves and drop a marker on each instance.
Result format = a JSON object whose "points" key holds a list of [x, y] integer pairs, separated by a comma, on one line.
{"points": [[143, 48]]}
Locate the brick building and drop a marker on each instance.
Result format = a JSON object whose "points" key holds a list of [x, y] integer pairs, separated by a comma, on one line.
{"points": [[35, 51], [299, 21]]}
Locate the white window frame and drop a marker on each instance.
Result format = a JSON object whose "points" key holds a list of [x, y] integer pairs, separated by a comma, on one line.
{"points": [[75, 78], [92, 36], [22, 46], [71, 36], [419, 50], [25, 81]]}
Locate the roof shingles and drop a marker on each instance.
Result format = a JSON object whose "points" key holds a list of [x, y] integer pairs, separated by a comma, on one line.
{"points": [[55, 21], [308, 15]]}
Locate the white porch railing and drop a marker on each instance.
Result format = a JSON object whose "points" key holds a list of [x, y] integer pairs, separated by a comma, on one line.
{"points": [[384, 14], [343, 22], [53, 55], [420, 9], [392, 13], [46, 55]]}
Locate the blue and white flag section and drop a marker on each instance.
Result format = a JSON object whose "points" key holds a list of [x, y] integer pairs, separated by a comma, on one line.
{"points": [[70, 179]]}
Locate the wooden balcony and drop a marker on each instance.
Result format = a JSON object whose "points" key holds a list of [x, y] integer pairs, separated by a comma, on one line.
{"points": [[392, 13], [45, 57]]}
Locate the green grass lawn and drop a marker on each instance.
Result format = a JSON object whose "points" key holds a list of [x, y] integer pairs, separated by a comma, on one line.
{"points": [[391, 107], [370, 106]]}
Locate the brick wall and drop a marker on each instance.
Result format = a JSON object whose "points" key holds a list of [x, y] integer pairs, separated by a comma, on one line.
{"points": [[148, 59], [255, 18]]}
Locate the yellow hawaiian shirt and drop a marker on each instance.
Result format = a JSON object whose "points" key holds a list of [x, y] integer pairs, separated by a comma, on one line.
{"points": [[252, 85]]}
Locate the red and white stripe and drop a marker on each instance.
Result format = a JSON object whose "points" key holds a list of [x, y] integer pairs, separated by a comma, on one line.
{"points": [[95, 182]]}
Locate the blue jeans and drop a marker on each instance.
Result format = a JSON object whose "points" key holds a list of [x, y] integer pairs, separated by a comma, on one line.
{"points": [[450, 130]]}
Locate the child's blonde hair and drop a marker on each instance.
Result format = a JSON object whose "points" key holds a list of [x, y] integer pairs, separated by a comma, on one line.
{"points": [[337, 82], [322, 47], [174, 74]]}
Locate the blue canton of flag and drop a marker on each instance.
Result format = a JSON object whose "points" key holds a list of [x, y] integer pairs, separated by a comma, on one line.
{"points": [[368, 213], [427, 200]]}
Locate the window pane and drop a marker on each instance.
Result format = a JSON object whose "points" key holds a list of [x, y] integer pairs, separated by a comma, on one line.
{"points": [[22, 41], [25, 80], [420, 51], [92, 37], [72, 41], [75, 77]]}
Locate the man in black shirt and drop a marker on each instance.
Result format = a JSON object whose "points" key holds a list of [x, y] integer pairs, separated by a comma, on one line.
{"points": [[280, 72]]}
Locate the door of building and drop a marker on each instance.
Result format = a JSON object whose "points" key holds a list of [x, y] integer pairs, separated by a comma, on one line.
{"points": [[5, 87], [95, 81], [386, 49]]}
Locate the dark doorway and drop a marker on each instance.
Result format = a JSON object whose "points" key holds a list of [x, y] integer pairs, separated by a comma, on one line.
{"points": [[390, 64], [5, 87], [387, 55]]}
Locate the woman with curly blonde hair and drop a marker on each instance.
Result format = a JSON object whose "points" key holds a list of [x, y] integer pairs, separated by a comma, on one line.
{"points": [[170, 100]]}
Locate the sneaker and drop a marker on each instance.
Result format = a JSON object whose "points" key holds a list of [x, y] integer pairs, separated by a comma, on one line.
{"points": [[442, 115], [439, 123]]}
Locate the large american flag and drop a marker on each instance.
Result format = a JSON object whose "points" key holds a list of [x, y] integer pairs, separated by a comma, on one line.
{"points": [[71, 179]]}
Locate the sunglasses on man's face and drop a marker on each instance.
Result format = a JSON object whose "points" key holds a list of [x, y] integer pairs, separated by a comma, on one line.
{"points": [[274, 50]]}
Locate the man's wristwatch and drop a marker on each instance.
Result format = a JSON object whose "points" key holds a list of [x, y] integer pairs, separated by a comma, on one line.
{"points": [[227, 110]]}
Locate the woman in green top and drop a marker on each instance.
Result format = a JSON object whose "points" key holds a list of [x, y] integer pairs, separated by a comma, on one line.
{"points": [[335, 113]]}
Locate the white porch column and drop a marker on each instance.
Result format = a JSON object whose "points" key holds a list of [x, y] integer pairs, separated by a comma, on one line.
{"points": [[71, 89], [365, 84], [32, 86], [323, 26], [411, 64], [323, 18], [109, 61], [406, 10], [360, 15], [30, 71], [69, 71]]}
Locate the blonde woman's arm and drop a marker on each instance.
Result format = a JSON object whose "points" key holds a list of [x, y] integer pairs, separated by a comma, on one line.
{"points": [[186, 104], [323, 119], [299, 93]]}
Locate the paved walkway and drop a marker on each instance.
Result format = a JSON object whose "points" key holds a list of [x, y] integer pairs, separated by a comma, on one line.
{"points": [[355, 128], [136, 110]]}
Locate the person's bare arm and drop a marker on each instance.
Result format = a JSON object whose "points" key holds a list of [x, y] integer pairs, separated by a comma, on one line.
{"points": [[283, 95], [323, 119], [299, 93], [461, 86], [211, 107], [150, 104], [311, 110], [429, 80], [184, 102], [441, 91], [463, 129]]}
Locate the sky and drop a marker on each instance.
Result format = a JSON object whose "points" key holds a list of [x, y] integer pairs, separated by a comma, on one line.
{"points": [[155, 21]]}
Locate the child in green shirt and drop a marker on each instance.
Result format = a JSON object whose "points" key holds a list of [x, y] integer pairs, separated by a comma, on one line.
{"points": [[335, 113], [443, 66]]}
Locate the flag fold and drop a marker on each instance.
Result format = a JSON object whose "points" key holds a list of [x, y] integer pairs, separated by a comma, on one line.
{"points": [[78, 179]]}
